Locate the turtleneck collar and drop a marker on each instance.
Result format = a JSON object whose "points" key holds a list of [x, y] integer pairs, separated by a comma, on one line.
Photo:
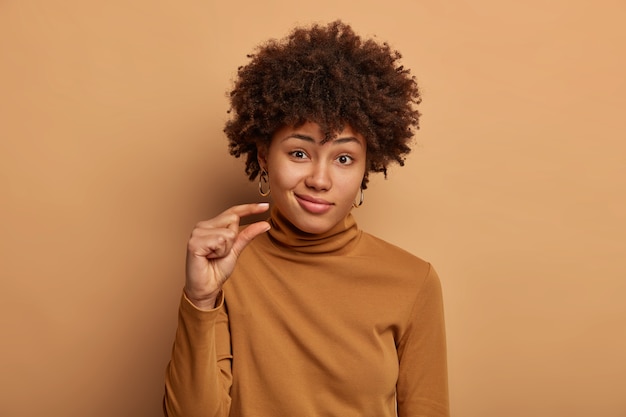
{"points": [[337, 240]]}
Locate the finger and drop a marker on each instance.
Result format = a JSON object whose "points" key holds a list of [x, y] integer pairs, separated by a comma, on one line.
{"points": [[230, 218], [216, 243], [244, 210], [249, 233]]}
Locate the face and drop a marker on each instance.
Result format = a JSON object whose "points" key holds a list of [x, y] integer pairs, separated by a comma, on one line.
{"points": [[313, 184]]}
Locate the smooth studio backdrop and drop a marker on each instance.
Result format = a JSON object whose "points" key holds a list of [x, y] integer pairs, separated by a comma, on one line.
{"points": [[111, 149]]}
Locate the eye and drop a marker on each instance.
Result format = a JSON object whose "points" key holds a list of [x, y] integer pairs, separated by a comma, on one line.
{"points": [[345, 159], [298, 154]]}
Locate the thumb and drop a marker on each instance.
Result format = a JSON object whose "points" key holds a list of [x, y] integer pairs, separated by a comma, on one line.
{"points": [[249, 233]]}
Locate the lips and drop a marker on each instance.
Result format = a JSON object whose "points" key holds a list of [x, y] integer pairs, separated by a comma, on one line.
{"points": [[313, 205]]}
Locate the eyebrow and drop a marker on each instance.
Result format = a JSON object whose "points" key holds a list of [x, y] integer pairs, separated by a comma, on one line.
{"points": [[345, 139]]}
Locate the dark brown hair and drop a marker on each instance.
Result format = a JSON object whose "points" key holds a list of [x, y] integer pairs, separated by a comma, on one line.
{"points": [[330, 76]]}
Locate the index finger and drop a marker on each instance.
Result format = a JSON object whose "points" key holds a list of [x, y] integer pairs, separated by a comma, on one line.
{"points": [[243, 210]]}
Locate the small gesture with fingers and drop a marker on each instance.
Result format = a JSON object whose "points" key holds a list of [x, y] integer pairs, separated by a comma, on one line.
{"points": [[213, 250]]}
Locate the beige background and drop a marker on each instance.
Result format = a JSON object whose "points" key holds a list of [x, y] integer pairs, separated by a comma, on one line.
{"points": [[111, 149]]}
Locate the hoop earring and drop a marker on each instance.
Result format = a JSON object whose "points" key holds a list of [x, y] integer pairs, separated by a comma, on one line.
{"points": [[355, 205], [264, 178]]}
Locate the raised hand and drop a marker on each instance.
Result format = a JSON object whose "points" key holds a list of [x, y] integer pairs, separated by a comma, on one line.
{"points": [[213, 249]]}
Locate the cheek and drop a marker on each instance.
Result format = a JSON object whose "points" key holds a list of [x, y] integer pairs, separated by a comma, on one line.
{"points": [[350, 184], [284, 176], [359, 173]]}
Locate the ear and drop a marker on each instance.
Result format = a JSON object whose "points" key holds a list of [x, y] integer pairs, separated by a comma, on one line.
{"points": [[261, 155]]}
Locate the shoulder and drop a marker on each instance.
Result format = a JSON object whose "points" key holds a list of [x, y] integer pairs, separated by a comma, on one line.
{"points": [[379, 248], [394, 258]]}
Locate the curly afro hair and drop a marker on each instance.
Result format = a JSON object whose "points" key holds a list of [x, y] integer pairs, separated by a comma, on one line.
{"points": [[330, 76]]}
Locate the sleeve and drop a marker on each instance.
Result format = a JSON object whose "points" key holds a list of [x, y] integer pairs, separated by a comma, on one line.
{"points": [[198, 377], [422, 387]]}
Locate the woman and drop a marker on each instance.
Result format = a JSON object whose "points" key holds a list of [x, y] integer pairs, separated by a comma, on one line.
{"points": [[305, 314]]}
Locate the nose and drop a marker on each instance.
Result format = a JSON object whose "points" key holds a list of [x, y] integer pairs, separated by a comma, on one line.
{"points": [[318, 178]]}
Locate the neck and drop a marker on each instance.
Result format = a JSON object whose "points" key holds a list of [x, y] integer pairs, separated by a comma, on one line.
{"points": [[338, 239]]}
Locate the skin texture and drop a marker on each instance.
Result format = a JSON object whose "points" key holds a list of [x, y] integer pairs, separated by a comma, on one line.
{"points": [[314, 182]]}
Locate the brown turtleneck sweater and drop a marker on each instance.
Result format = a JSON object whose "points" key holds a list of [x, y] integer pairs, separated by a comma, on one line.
{"points": [[340, 324]]}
